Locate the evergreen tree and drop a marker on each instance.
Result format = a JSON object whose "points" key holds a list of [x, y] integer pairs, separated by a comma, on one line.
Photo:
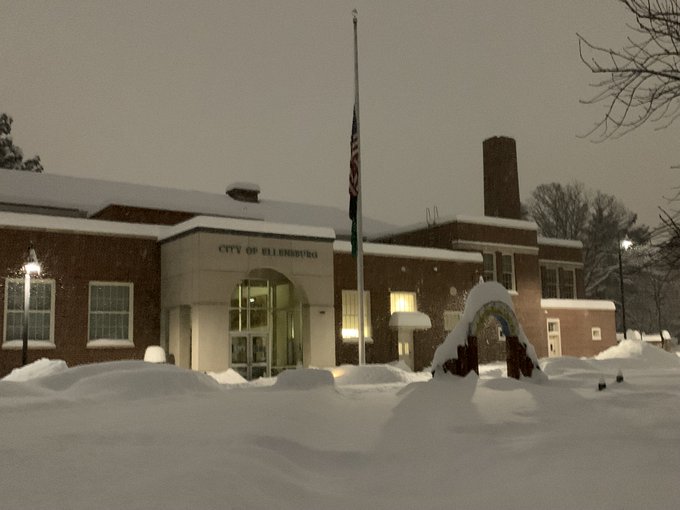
{"points": [[11, 156]]}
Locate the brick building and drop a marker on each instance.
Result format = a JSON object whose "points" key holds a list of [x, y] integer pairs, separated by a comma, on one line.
{"points": [[235, 281]]}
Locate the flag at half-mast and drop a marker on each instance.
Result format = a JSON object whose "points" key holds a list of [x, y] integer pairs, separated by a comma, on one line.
{"points": [[354, 180]]}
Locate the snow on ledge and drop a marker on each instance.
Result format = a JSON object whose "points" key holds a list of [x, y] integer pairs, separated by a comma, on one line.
{"points": [[248, 226], [578, 304], [110, 344], [416, 252], [564, 243], [80, 225], [410, 320], [32, 344], [497, 222]]}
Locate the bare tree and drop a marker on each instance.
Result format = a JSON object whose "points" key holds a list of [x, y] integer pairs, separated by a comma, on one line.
{"points": [[641, 81], [560, 211]]}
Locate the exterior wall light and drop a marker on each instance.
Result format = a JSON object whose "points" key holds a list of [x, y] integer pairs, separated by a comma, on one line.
{"points": [[31, 268]]}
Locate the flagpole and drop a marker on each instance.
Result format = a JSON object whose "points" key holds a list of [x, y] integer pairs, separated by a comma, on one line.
{"points": [[360, 236]]}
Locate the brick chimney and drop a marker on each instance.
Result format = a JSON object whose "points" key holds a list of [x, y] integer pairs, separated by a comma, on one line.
{"points": [[244, 192], [501, 184]]}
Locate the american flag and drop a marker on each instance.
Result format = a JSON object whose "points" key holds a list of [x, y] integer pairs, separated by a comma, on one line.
{"points": [[354, 169]]}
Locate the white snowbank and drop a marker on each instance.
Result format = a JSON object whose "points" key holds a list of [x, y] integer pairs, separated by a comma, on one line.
{"points": [[39, 368], [229, 376], [154, 354], [376, 374], [304, 379]]}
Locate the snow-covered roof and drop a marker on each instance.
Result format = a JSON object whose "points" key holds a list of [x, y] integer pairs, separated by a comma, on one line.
{"points": [[79, 225], [564, 243], [578, 304], [461, 218], [396, 250], [410, 320], [92, 195], [247, 226]]}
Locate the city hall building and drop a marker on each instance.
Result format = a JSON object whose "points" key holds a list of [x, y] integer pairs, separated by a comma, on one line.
{"points": [[236, 281]]}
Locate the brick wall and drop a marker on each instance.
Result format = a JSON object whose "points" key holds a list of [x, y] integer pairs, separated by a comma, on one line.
{"points": [[73, 260], [431, 280], [575, 330]]}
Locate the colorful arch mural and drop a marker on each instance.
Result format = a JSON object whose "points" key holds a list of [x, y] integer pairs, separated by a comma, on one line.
{"points": [[459, 351]]}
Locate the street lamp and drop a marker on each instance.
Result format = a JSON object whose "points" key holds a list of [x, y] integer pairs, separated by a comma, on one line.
{"points": [[31, 267], [623, 246]]}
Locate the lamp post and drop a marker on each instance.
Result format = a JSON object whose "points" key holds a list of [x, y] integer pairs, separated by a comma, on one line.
{"points": [[31, 267], [623, 246]]}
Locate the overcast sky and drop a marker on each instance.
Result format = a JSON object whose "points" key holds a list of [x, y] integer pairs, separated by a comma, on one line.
{"points": [[198, 94]]}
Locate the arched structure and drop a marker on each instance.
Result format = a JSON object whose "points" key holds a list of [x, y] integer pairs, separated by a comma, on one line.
{"points": [[458, 354]]}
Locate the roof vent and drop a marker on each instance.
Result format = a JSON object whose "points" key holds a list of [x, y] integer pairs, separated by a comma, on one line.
{"points": [[244, 191]]}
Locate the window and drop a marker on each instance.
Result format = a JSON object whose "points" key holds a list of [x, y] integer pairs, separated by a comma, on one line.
{"points": [[403, 302], [40, 312], [596, 334], [549, 283], [350, 314], [110, 314], [508, 272], [451, 319], [558, 283], [567, 279], [489, 266]]}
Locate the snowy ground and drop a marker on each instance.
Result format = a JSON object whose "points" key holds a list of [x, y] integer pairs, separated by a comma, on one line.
{"points": [[142, 436]]}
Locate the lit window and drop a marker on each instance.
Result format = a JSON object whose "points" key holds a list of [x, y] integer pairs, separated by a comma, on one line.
{"points": [[40, 313], [508, 272], [451, 319], [110, 311], [567, 279], [489, 266], [403, 302], [596, 333], [549, 282], [350, 314]]}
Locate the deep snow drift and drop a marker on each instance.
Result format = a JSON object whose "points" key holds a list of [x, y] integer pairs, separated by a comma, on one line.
{"points": [[148, 436]]}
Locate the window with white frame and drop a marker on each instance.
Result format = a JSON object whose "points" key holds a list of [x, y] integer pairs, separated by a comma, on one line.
{"points": [[508, 271], [549, 282], [350, 314], [558, 282], [451, 319], [40, 311], [110, 311], [403, 302], [596, 333], [567, 287], [489, 266]]}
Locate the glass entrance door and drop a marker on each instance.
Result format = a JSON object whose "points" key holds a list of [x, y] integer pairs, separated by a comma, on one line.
{"points": [[249, 355], [265, 325]]}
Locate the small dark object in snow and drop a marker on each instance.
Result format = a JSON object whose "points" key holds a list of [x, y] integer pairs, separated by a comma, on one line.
{"points": [[601, 385], [619, 376]]}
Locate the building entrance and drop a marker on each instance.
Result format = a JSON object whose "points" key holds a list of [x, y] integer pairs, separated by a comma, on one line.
{"points": [[265, 325]]}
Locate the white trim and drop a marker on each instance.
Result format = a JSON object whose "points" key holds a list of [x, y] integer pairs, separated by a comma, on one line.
{"points": [[398, 250], [578, 304], [32, 344], [487, 246], [564, 243], [569, 264], [112, 342]]}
